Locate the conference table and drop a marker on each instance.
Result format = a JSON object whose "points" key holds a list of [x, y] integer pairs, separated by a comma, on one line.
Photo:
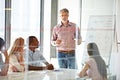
{"points": [[57, 74]]}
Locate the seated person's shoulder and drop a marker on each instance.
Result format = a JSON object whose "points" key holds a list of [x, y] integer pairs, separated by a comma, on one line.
{"points": [[38, 52], [89, 61]]}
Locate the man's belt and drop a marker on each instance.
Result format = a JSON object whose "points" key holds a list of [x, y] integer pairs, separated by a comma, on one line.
{"points": [[69, 51]]}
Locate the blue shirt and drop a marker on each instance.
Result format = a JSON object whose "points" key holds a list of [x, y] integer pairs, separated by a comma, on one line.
{"points": [[35, 58]]}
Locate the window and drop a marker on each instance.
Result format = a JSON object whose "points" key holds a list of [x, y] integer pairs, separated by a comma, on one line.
{"points": [[25, 19], [2, 18]]}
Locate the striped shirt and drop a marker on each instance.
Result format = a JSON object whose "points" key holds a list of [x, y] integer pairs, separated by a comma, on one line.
{"points": [[67, 35]]}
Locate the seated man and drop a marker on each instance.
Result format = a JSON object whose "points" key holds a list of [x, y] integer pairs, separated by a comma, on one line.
{"points": [[35, 58]]}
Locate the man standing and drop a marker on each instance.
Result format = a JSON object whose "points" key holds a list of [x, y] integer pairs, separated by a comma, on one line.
{"points": [[65, 36]]}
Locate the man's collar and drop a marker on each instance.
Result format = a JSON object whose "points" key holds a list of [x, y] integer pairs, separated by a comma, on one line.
{"points": [[61, 24], [31, 51]]}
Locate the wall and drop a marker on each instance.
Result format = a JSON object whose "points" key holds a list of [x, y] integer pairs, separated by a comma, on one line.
{"points": [[117, 55], [118, 23]]}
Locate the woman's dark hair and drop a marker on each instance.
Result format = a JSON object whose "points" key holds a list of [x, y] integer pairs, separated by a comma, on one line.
{"points": [[93, 51], [2, 43]]}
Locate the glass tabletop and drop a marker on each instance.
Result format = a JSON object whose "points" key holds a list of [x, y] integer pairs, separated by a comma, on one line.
{"points": [[57, 74]]}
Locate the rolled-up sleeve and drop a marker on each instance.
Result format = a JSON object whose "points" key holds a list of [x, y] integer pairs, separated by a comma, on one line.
{"points": [[54, 35], [42, 58], [78, 33]]}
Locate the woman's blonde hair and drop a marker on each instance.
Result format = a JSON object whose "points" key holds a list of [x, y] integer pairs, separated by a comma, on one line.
{"points": [[17, 45]]}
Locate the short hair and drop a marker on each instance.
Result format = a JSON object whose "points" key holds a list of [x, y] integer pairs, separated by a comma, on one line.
{"points": [[64, 10], [30, 39]]}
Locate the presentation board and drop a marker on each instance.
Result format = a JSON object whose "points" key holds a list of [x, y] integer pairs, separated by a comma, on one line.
{"points": [[101, 31]]}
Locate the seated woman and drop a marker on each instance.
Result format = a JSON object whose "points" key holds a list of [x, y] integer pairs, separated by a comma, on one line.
{"points": [[16, 56], [3, 65], [95, 66]]}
